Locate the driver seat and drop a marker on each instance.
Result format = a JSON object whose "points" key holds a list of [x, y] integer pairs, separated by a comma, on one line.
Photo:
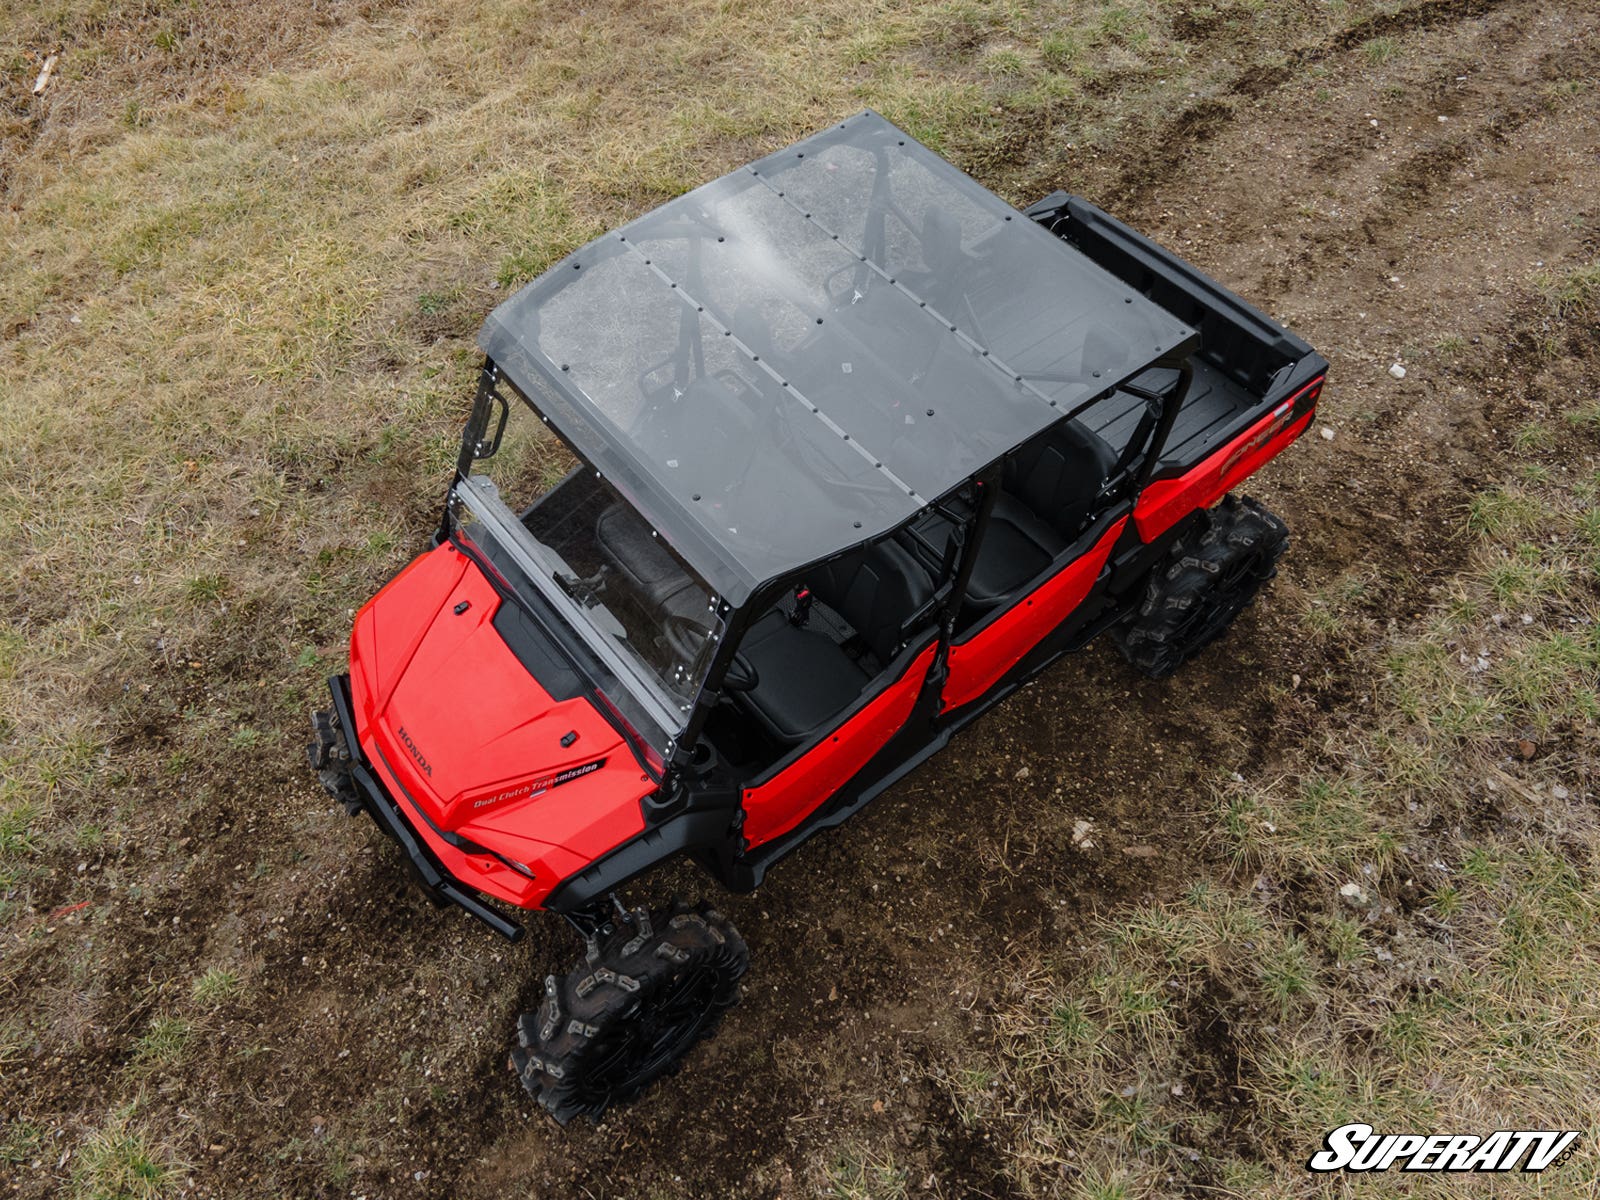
{"points": [[804, 676]]}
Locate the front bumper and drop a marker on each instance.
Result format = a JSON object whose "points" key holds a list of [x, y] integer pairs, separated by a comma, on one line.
{"points": [[429, 874]]}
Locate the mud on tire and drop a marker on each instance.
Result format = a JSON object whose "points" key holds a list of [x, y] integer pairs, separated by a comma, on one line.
{"points": [[1212, 574], [649, 990]]}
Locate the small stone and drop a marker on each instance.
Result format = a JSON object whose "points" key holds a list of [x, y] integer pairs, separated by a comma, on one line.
{"points": [[1526, 749], [1140, 851], [1327, 433], [1355, 894], [1022, 773], [1397, 371], [1443, 118], [1559, 792]]}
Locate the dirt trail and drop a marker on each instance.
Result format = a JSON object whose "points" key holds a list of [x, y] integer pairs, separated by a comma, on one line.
{"points": [[1390, 213]]}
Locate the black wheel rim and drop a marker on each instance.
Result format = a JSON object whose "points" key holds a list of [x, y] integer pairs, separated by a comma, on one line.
{"points": [[646, 1041]]}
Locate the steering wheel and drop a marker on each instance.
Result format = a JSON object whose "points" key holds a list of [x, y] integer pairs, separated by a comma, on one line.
{"points": [[686, 637], [688, 640]]}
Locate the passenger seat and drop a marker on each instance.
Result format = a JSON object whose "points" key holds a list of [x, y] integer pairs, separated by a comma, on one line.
{"points": [[1047, 497], [805, 677]]}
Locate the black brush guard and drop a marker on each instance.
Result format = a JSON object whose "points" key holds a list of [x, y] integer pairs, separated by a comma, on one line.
{"points": [[429, 874]]}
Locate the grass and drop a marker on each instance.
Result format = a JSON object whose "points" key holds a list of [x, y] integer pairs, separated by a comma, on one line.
{"points": [[1573, 293], [216, 986], [121, 1161], [163, 1047], [861, 1174]]}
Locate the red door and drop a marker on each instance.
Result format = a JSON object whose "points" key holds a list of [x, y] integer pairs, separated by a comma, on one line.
{"points": [[799, 785], [987, 652]]}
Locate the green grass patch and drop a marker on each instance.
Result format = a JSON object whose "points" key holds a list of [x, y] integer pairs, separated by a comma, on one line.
{"points": [[122, 1161]]}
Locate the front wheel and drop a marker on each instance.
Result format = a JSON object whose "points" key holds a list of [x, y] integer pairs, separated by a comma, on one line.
{"points": [[651, 987], [1211, 575]]}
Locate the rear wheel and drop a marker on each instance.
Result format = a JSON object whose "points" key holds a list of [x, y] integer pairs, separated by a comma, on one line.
{"points": [[1211, 576], [651, 987]]}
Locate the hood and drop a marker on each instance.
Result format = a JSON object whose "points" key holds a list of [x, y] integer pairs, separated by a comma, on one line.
{"points": [[481, 746]]}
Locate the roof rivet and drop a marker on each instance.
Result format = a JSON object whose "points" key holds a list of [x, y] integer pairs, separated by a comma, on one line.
{"points": [[566, 367], [696, 496], [577, 266], [1008, 218], [722, 239], [819, 320], [930, 412], [1096, 374], [1127, 299], [802, 154], [858, 524]]}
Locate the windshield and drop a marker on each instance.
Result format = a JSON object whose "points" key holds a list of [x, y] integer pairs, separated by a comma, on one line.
{"points": [[651, 623]]}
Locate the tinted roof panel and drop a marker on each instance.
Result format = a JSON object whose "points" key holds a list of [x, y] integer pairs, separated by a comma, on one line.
{"points": [[801, 355]]}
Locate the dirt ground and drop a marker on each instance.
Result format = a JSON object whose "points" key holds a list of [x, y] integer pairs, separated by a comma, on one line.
{"points": [[1393, 211]]}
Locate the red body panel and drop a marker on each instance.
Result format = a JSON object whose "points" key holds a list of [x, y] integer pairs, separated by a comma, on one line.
{"points": [[977, 663], [468, 742], [1165, 502], [775, 807]]}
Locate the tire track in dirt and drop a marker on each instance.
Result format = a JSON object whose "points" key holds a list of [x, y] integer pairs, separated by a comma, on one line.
{"points": [[1192, 128]]}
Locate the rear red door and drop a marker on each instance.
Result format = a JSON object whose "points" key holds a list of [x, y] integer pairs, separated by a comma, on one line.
{"points": [[982, 655]]}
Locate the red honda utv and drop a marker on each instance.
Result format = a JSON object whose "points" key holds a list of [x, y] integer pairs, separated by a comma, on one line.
{"points": [[762, 497]]}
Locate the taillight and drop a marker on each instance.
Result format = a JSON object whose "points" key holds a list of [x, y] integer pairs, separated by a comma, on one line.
{"points": [[1306, 398]]}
